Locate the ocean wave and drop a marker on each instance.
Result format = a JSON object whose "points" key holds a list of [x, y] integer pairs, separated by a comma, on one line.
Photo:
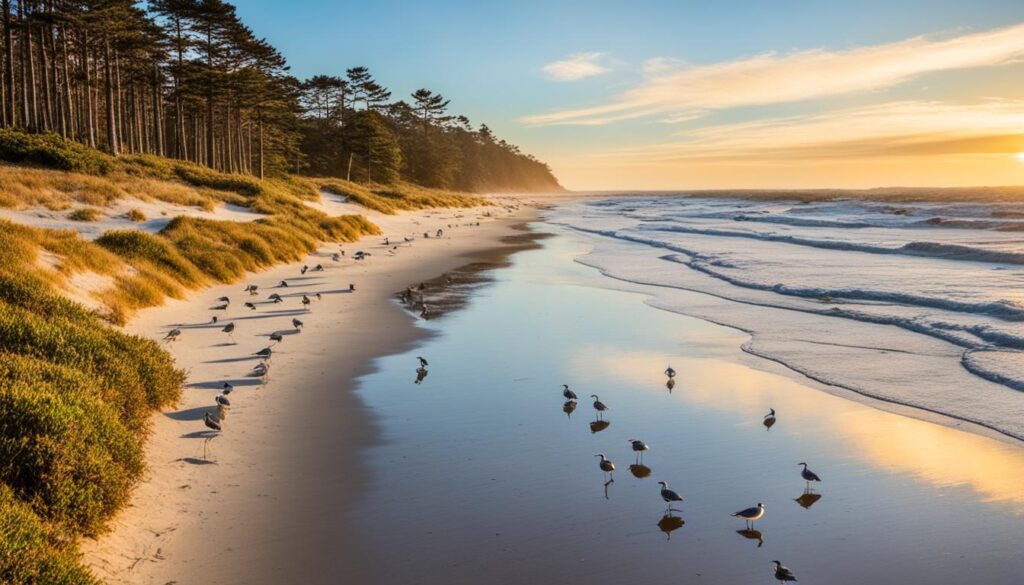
{"points": [[937, 250]]}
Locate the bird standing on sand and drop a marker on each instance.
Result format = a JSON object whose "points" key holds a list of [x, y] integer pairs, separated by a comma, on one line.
{"points": [[808, 475], [599, 406], [669, 495], [277, 337], [639, 447], [605, 464], [226, 388], [305, 302], [769, 419], [213, 425], [671, 373], [782, 574], [304, 269], [225, 300], [568, 394], [351, 287], [319, 297], [423, 362], [276, 298], [250, 306], [283, 284], [751, 515], [213, 320], [230, 330], [172, 335], [297, 324], [265, 353]]}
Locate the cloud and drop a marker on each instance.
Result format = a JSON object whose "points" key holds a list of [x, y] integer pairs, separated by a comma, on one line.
{"points": [[577, 66], [894, 129], [673, 90]]}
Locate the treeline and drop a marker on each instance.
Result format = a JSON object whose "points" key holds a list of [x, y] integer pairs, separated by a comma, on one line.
{"points": [[188, 79]]}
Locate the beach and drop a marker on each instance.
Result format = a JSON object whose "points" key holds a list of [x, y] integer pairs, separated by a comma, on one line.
{"points": [[352, 463], [288, 455]]}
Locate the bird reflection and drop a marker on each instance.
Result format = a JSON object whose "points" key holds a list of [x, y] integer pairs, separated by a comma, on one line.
{"points": [[640, 471], [807, 499], [752, 535], [670, 384], [669, 524], [568, 407], [421, 373], [769, 419], [606, 484], [599, 425]]}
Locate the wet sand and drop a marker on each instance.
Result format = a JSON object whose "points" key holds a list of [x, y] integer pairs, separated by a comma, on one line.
{"points": [[479, 475]]}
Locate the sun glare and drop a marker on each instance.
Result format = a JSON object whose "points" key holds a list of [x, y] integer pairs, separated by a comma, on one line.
{"points": [[1020, 156]]}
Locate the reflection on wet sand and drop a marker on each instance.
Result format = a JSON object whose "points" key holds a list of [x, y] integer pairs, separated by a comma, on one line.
{"points": [[421, 373], [669, 524], [807, 499], [670, 385], [933, 452], [640, 471], [568, 407], [752, 535], [599, 425]]}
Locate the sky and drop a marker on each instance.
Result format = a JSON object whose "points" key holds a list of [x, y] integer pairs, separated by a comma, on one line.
{"points": [[643, 94]]}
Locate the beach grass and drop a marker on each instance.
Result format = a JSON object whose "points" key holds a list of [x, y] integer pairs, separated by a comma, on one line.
{"points": [[391, 199]]}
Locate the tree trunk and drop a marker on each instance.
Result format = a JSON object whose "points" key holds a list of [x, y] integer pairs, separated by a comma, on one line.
{"points": [[108, 79], [10, 110]]}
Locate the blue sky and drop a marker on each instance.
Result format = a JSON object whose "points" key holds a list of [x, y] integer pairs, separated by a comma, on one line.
{"points": [[489, 58]]}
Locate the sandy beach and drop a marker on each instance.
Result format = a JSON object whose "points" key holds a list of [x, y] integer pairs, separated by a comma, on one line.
{"points": [[286, 459]]}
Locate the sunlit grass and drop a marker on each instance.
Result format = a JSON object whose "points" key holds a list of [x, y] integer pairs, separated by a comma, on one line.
{"points": [[391, 199]]}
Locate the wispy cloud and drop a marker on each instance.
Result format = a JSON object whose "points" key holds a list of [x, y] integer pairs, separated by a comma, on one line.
{"points": [[676, 91], [879, 131], [577, 66]]}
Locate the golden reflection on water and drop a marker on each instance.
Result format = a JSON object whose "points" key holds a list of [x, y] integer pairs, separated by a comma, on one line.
{"points": [[932, 452]]}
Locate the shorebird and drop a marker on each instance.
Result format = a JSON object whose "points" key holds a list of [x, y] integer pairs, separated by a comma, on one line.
{"points": [[423, 362], [251, 289], [318, 268], [769, 419], [276, 298], [226, 388], [318, 297], [266, 352], [275, 336], [351, 287], [230, 330], [568, 394], [213, 426], [172, 335], [283, 284], [305, 302], [599, 406], [261, 370], [639, 447], [225, 300], [223, 400], [751, 515], [670, 372], [213, 320], [782, 574], [605, 464], [808, 475], [304, 269], [297, 324], [669, 495], [250, 306]]}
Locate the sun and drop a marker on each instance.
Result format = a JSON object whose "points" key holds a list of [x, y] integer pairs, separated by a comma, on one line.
{"points": [[1020, 156]]}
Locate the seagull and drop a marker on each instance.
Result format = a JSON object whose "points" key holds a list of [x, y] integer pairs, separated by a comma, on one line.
{"points": [[297, 324], [304, 269], [261, 370], [318, 297], [250, 306], [305, 302], [769, 419], [283, 284], [276, 298], [227, 388], [223, 400], [605, 464], [670, 372], [568, 394], [351, 287], [229, 329], [639, 447], [213, 426], [213, 320], [172, 335], [318, 268], [599, 406], [782, 573], [423, 362], [250, 288], [225, 300], [808, 475], [669, 495], [265, 352], [275, 336], [751, 515]]}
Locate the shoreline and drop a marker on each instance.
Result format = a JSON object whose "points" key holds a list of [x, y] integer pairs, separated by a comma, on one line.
{"points": [[240, 516]]}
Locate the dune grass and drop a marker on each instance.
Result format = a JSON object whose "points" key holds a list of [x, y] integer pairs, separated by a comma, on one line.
{"points": [[391, 199], [85, 214]]}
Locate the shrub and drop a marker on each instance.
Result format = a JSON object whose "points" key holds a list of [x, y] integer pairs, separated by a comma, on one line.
{"points": [[85, 214], [51, 150], [136, 215]]}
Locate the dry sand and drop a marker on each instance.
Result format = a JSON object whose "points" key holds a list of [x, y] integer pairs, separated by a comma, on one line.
{"points": [[270, 504]]}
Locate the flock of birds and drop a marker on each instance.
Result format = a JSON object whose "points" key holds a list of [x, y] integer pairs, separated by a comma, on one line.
{"points": [[670, 496]]}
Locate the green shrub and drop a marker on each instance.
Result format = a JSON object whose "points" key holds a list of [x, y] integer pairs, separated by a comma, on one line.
{"points": [[141, 246], [31, 553], [51, 150]]}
